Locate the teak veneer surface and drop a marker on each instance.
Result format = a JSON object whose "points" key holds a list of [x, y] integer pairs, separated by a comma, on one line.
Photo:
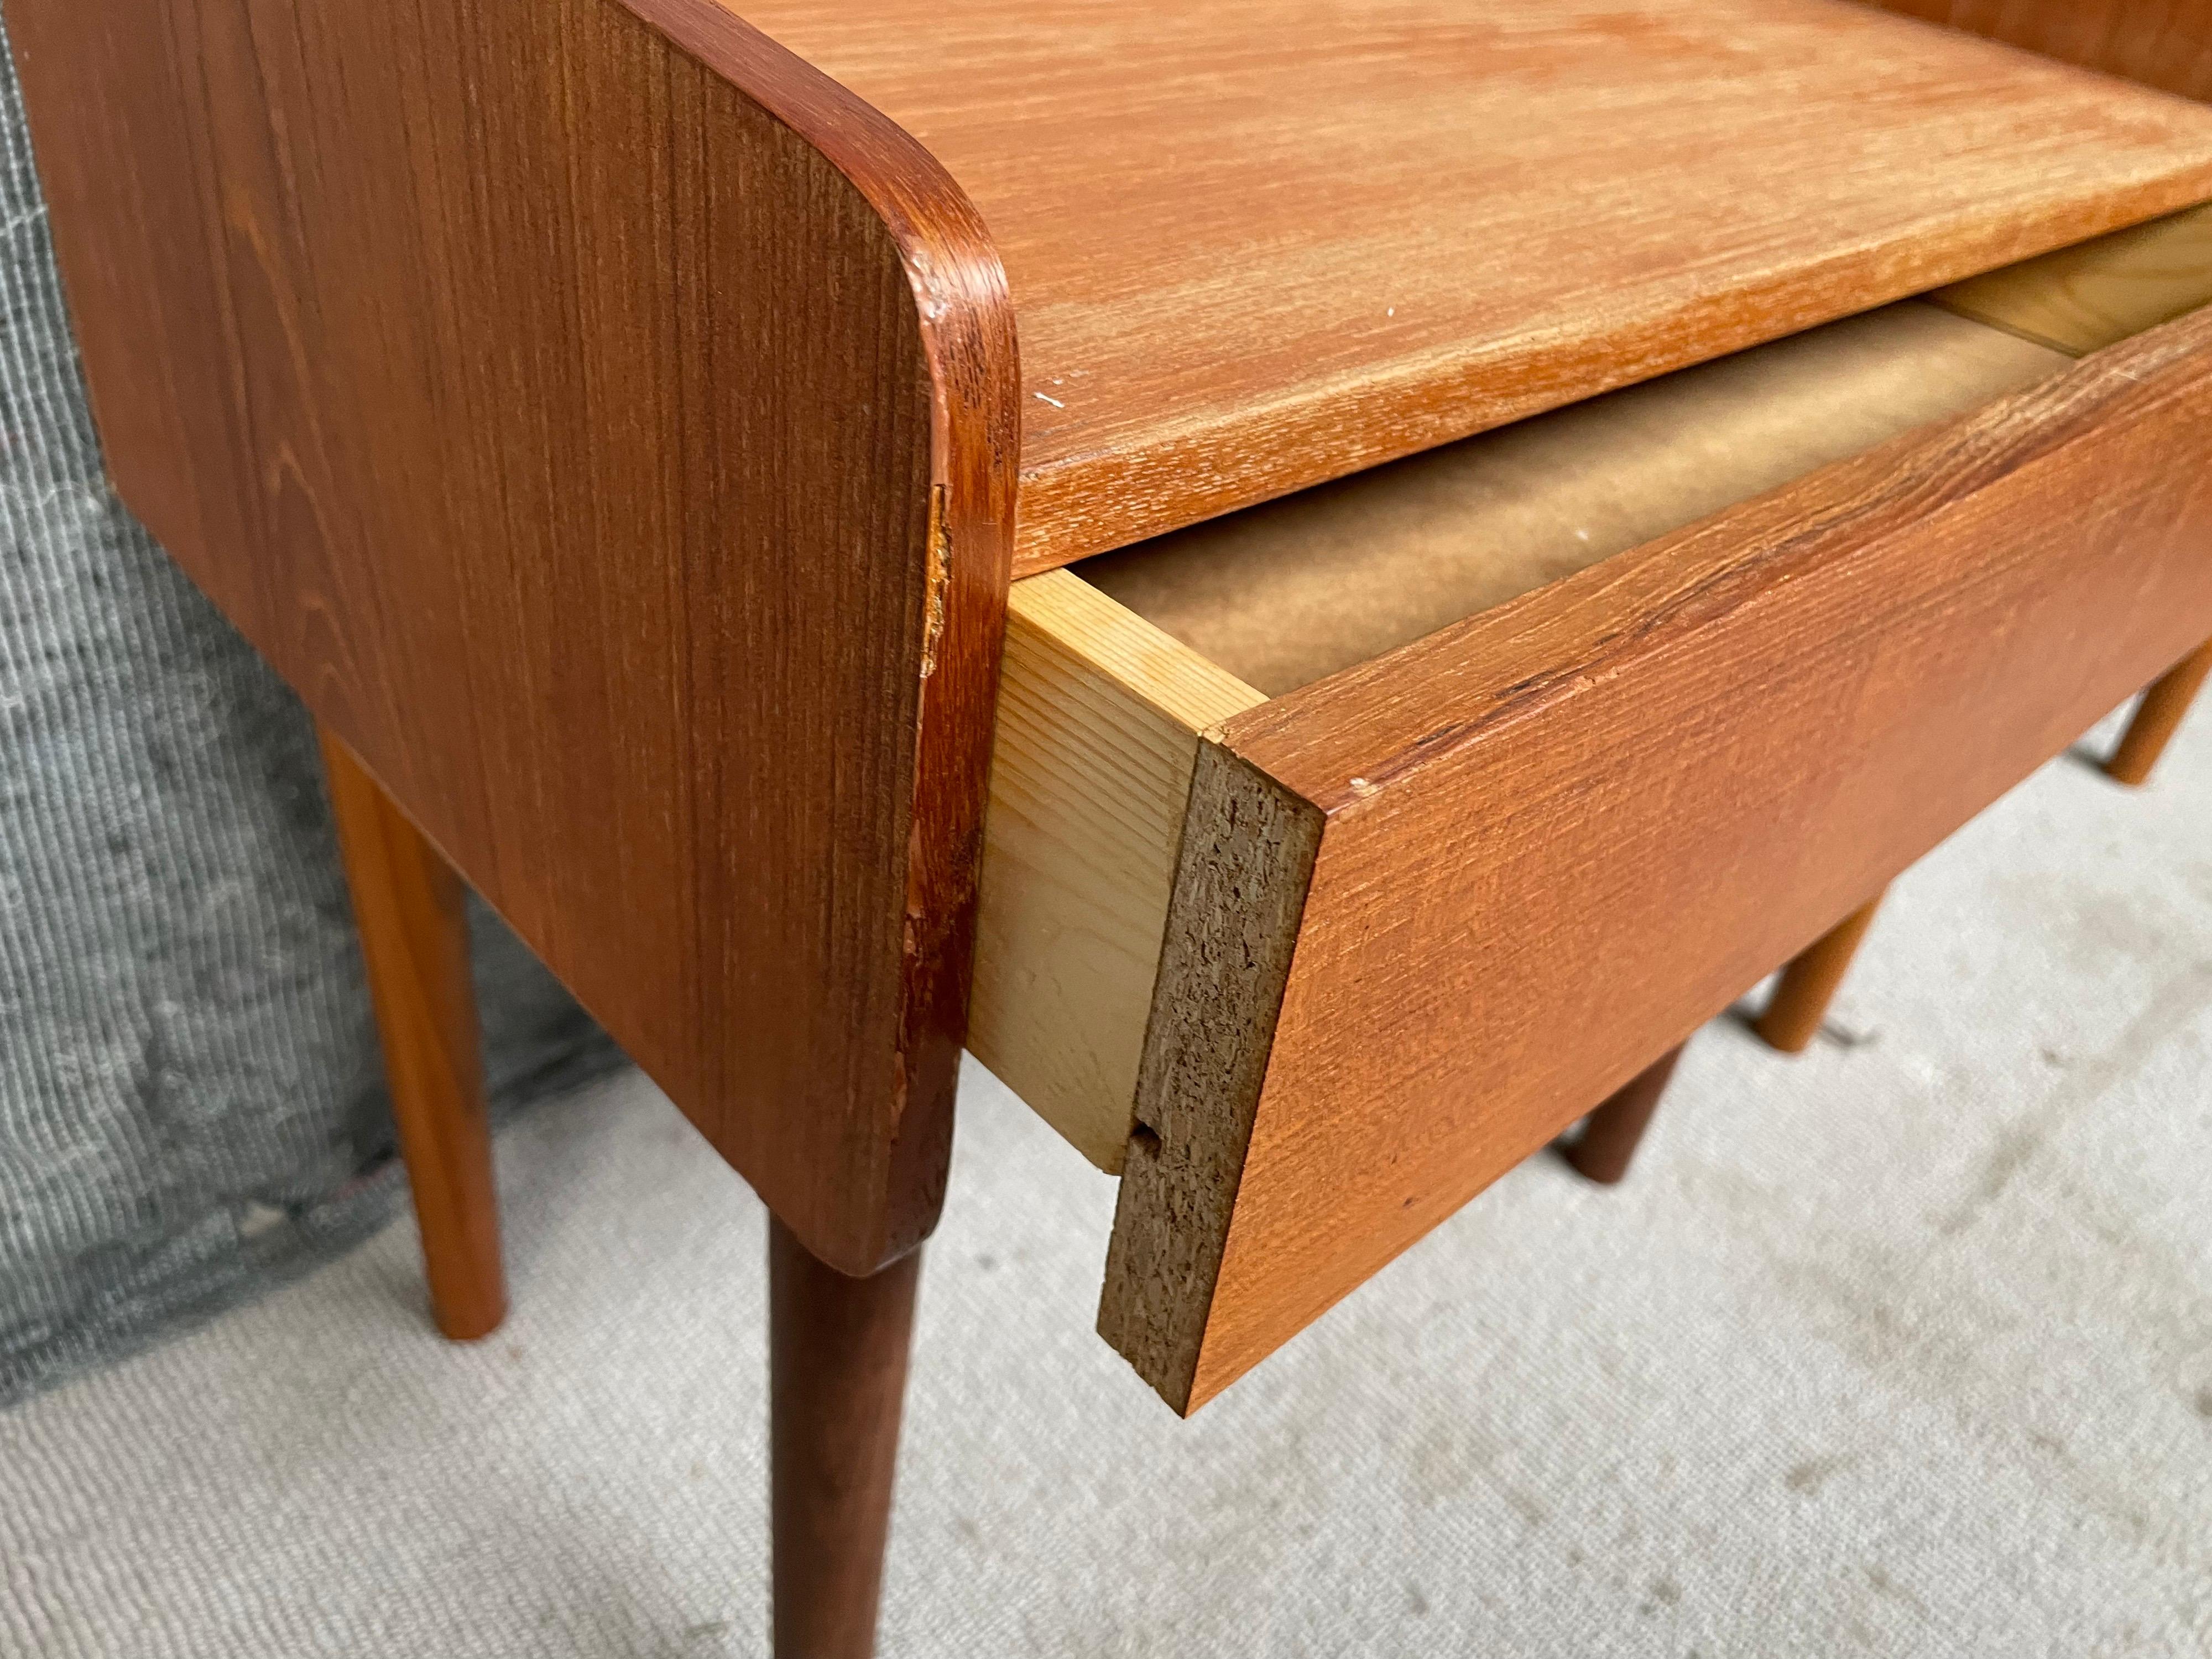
{"points": [[1256, 245], [607, 423], [1429, 909]]}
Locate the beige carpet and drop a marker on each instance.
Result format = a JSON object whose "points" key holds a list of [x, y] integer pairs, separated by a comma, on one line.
{"points": [[1902, 1349]]}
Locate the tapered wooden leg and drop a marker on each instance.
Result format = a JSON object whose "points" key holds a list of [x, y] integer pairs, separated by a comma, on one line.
{"points": [[1610, 1135], [409, 905], [837, 1376], [1800, 1003], [2158, 717]]}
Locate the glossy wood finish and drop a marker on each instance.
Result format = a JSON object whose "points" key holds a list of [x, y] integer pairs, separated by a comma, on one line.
{"points": [[1799, 1006], [838, 1382], [606, 423], [411, 910], [1605, 1146], [2158, 717], [1259, 244], [2161, 43], [1677, 764]]}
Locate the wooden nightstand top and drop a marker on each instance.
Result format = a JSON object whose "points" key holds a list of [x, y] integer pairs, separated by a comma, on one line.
{"points": [[1255, 245]]}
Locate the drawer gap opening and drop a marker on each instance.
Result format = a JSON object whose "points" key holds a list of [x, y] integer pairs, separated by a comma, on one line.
{"points": [[1285, 594], [1289, 592]]}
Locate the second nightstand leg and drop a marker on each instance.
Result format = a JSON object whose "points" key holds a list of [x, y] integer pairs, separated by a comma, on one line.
{"points": [[837, 1351], [2158, 717], [409, 907], [1610, 1135], [1800, 1003]]}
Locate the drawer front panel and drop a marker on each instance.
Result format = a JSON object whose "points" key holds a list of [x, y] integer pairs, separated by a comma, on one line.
{"points": [[1477, 884]]}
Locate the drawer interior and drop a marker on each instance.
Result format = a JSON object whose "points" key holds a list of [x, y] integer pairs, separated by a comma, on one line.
{"points": [[1114, 667], [1285, 594]]}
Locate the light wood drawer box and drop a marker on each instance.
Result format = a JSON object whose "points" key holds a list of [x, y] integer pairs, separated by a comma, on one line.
{"points": [[1343, 852]]}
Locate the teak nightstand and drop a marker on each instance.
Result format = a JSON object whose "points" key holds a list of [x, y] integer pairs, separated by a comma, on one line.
{"points": [[862, 528]]}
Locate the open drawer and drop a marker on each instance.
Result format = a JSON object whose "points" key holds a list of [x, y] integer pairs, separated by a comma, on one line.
{"points": [[1344, 852]]}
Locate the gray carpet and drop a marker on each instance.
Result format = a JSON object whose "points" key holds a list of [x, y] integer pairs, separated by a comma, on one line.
{"points": [[191, 1103], [1904, 1348]]}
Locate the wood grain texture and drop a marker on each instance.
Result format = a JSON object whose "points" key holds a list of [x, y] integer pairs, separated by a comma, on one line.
{"points": [[412, 912], [1258, 244], [1284, 594], [1558, 837], [1099, 717], [2165, 44], [606, 423], [2084, 298]]}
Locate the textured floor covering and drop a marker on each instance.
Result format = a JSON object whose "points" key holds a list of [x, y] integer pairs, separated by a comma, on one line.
{"points": [[1904, 1348]]}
